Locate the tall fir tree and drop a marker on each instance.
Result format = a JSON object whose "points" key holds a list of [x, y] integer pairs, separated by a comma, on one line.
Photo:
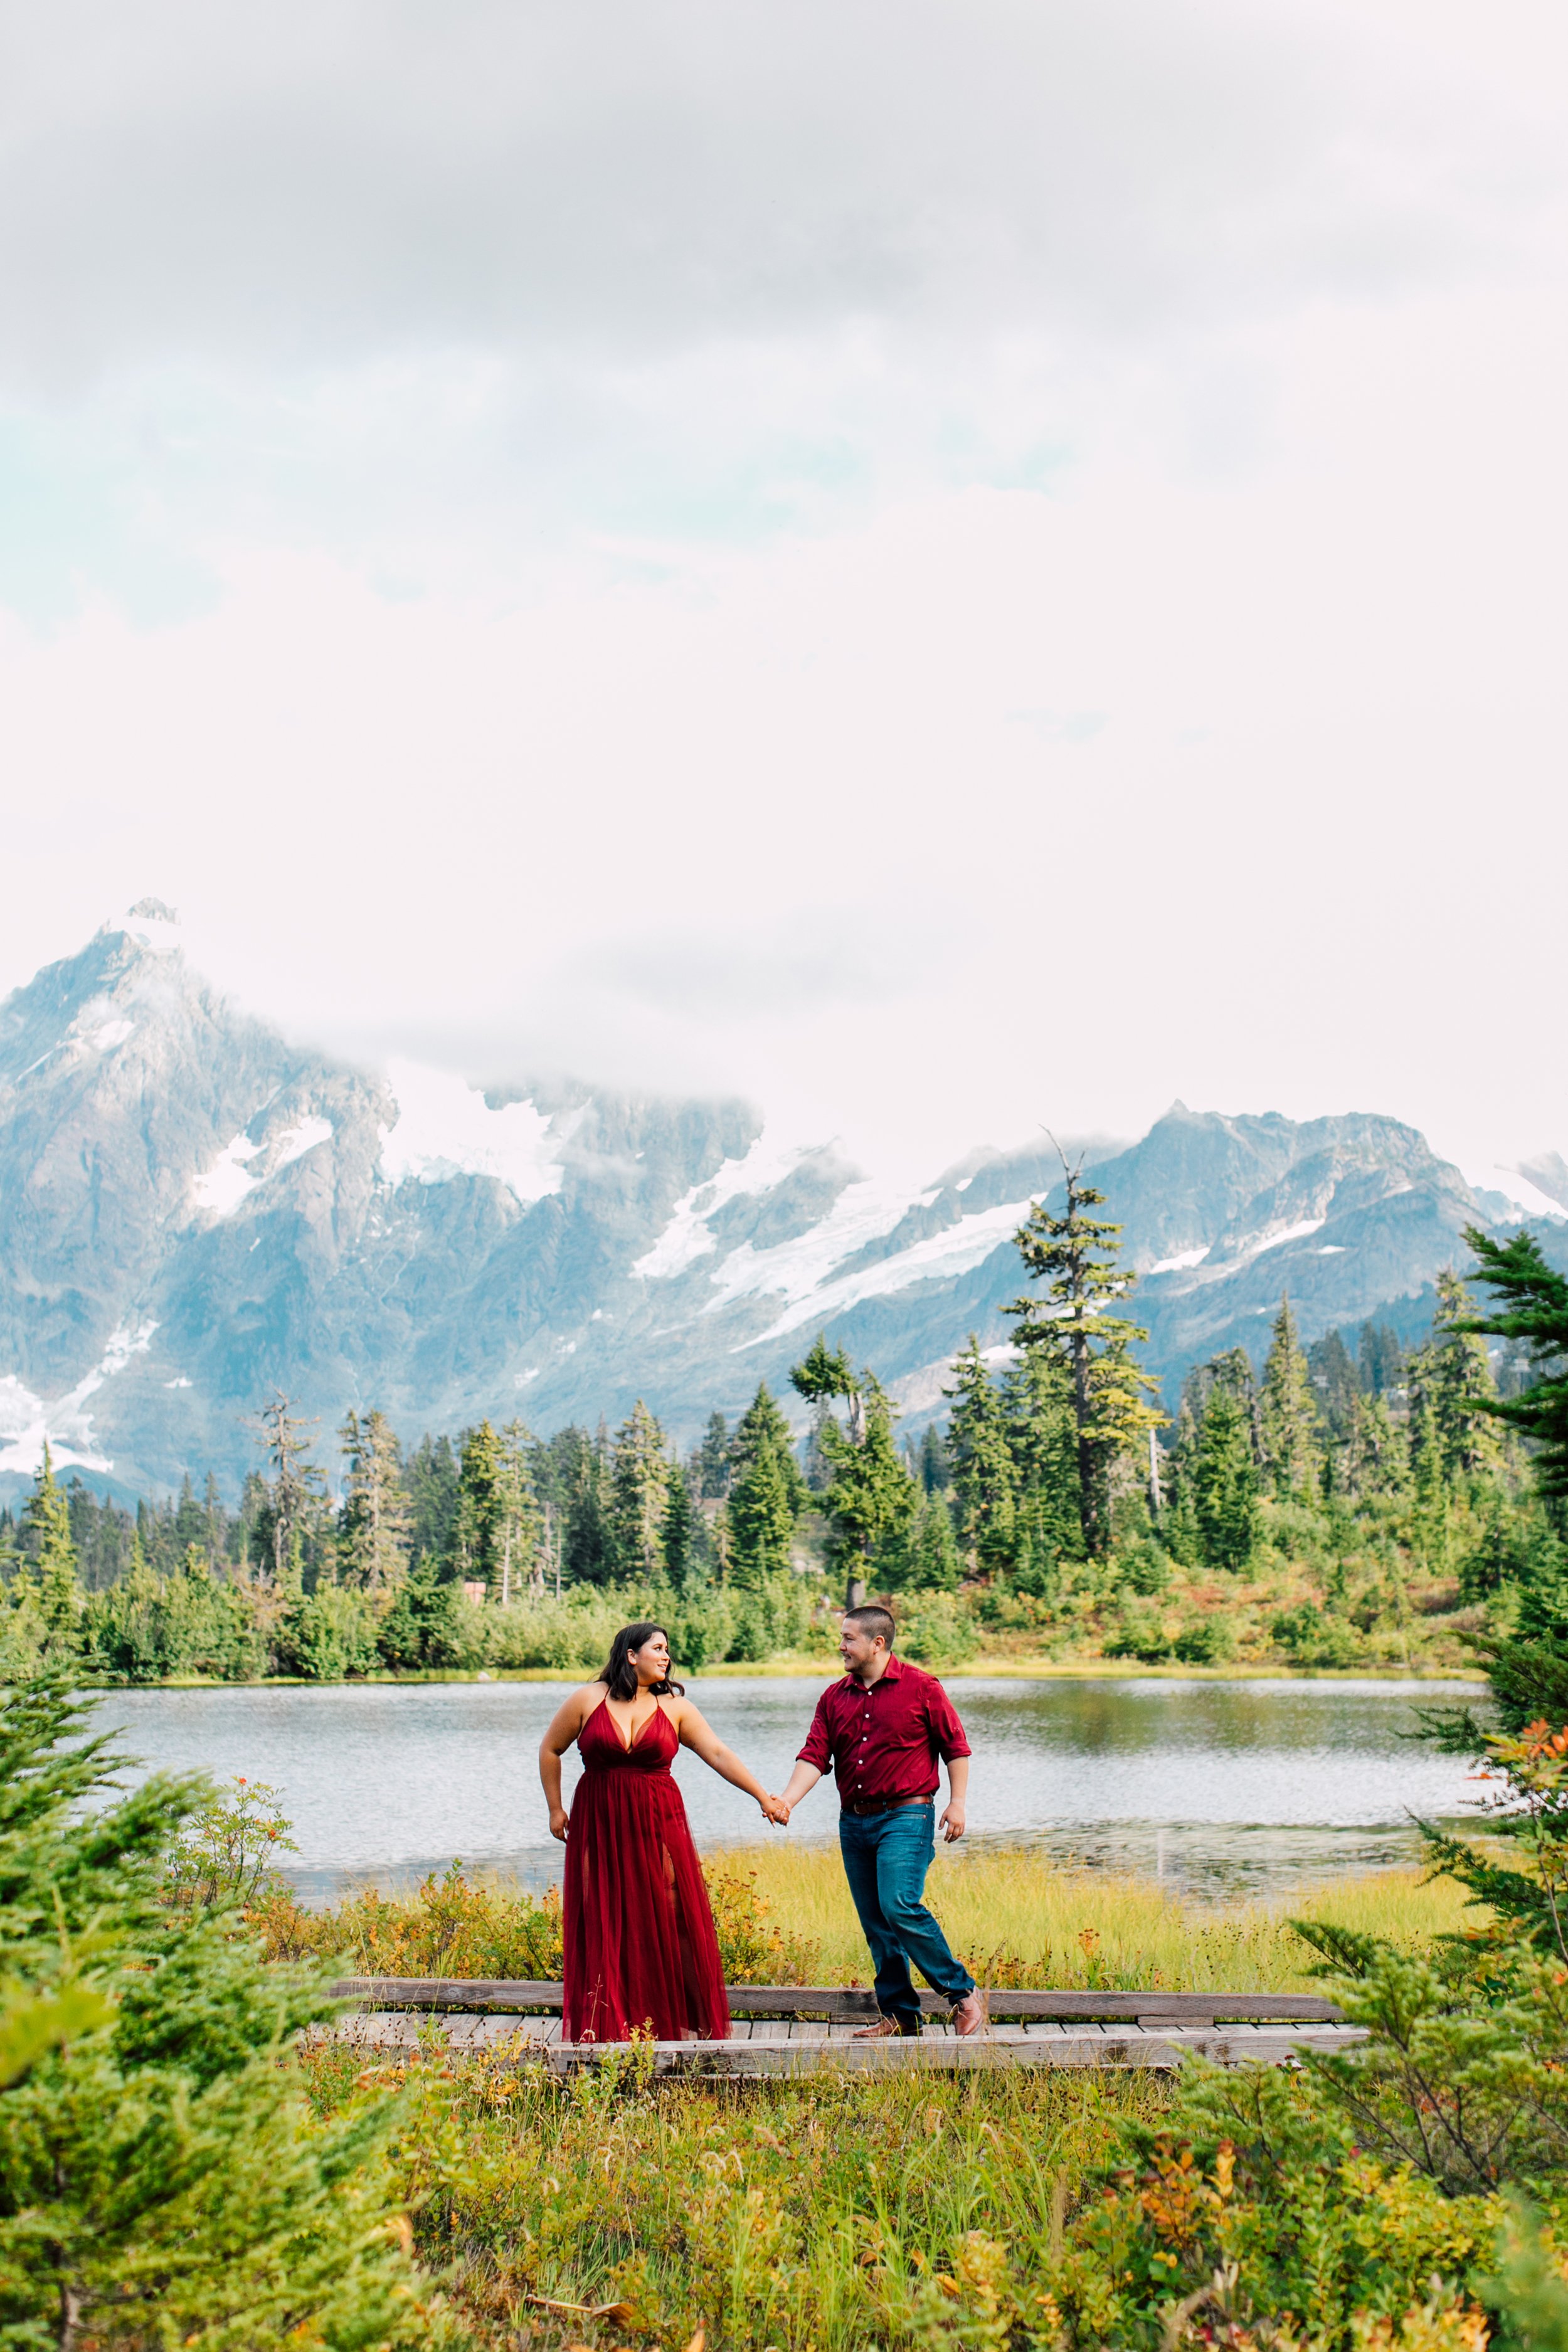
{"points": [[46, 1532], [1454, 1431], [931, 1560], [640, 1489], [1224, 1480], [1288, 1413], [497, 1522], [935, 1469], [981, 1453], [295, 1496], [714, 1462], [1074, 1255], [766, 1493], [1530, 1307], [1042, 1429], [684, 1549], [587, 1540], [871, 1497], [375, 1517]]}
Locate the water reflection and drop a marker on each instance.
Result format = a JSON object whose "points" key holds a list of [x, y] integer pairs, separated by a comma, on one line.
{"points": [[1211, 1786]]}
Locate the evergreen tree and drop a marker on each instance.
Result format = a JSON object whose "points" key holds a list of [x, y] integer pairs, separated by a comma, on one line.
{"points": [[1225, 1481], [1075, 1256], [817, 1467], [373, 1523], [214, 1537], [714, 1462], [1380, 1359], [162, 2178], [1375, 1458], [190, 1519], [46, 1532], [1336, 1384], [980, 1448], [766, 1495], [1042, 1431], [1530, 1309], [295, 1498], [431, 1480], [1453, 1429], [102, 1534], [586, 1538], [497, 1522], [1287, 1413], [684, 1546], [935, 1469], [761, 1520], [932, 1564], [640, 1490], [1179, 1531], [870, 1499], [762, 1428]]}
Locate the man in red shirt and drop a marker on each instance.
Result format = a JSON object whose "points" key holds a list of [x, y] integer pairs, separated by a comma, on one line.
{"points": [[880, 1731]]}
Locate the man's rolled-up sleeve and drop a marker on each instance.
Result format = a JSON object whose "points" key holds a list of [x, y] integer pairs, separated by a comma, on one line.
{"points": [[946, 1731], [817, 1750]]}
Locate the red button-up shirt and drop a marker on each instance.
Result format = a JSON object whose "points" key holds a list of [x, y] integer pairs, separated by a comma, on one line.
{"points": [[884, 1742]]}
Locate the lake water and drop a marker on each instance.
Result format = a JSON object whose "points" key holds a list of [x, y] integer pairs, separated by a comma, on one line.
{"points": [[1215, 1785]]}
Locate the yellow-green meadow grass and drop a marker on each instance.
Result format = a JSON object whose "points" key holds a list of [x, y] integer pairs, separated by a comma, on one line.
{"points": [[1019, 1918]]}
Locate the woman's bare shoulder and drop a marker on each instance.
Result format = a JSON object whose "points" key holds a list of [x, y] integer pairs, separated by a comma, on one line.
{"points": [[583, 1701]]}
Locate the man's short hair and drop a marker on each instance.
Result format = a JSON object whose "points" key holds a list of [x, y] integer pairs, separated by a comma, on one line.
{"points": [[873, 1620]]}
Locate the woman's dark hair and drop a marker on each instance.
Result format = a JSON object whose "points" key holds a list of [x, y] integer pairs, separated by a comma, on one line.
{"points": [[618, 1674]]}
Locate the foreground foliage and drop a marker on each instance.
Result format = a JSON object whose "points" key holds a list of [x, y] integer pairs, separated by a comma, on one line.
{"points": [[161, 2179]]}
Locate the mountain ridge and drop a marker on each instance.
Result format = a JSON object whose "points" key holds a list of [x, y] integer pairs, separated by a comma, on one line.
{"points": [[195, 1211]]}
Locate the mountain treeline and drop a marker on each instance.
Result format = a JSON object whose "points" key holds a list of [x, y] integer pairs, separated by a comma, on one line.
{"points": [[1324, 1501]]}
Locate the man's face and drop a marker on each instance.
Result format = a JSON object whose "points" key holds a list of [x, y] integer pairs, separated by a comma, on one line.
{"points": [[858, 1650]]}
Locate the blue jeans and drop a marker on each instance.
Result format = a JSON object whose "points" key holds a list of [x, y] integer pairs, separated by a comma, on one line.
{"points": [[886, 1858]]}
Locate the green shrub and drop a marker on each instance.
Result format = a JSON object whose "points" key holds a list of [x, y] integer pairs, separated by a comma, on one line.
{"points": [[1147, 1569], [162, 2178], [1138, 1633], [771, 1615], [936, 1628], [1205, 1641], [1315, 1638]]}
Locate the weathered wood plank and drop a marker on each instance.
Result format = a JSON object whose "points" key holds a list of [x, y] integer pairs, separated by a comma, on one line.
{"points": [[792, 2048], [840, 2002]]}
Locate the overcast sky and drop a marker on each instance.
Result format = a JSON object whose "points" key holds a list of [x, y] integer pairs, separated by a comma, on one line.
{"points": [[946, 567]]}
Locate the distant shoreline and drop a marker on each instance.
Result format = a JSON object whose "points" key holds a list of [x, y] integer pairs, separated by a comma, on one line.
{"points": [[791, 1670]]}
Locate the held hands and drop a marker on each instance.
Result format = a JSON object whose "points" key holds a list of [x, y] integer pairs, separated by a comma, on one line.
{"points": [[558, 1819], [774, 1809], [952, 1824]]}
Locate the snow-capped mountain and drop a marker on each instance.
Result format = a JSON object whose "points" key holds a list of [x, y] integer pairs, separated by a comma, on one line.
{"points": [[193, 1213]]}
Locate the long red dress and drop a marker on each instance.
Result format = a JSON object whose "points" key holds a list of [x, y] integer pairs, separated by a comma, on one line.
{"points": [[640, 1946]]}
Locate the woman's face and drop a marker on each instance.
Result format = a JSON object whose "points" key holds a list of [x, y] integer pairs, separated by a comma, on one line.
{"points": [[651, 1662]]}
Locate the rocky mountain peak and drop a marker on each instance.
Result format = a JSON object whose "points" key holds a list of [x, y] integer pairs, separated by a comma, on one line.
{"points": [[196, 1211]]}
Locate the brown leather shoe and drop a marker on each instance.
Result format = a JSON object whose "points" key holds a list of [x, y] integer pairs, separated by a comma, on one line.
{"points": [[887, 2028], [972, 2014]]}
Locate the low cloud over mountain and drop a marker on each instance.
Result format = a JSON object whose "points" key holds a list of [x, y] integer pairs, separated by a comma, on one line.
{"points": [[196, 1212]]}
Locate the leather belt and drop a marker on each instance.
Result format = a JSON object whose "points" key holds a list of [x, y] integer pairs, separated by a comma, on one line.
{"points": [[860, 1806]]}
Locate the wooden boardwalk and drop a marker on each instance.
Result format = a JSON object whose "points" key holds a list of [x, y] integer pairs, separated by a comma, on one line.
{"points": [[796, 2029]]}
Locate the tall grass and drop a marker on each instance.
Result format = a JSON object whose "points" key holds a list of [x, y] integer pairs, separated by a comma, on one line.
{"points": [[779, 2216], [1020, 1919], [785, 1917]]}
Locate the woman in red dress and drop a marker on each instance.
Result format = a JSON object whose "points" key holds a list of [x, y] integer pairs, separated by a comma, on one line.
{"points": [[641, 1952]]}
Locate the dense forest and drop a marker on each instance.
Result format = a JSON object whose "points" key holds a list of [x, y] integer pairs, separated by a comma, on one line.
{"points": [[1338, 1505]]}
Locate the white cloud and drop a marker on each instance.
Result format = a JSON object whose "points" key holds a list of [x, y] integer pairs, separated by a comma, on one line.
{"points": [[937, 502]]}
